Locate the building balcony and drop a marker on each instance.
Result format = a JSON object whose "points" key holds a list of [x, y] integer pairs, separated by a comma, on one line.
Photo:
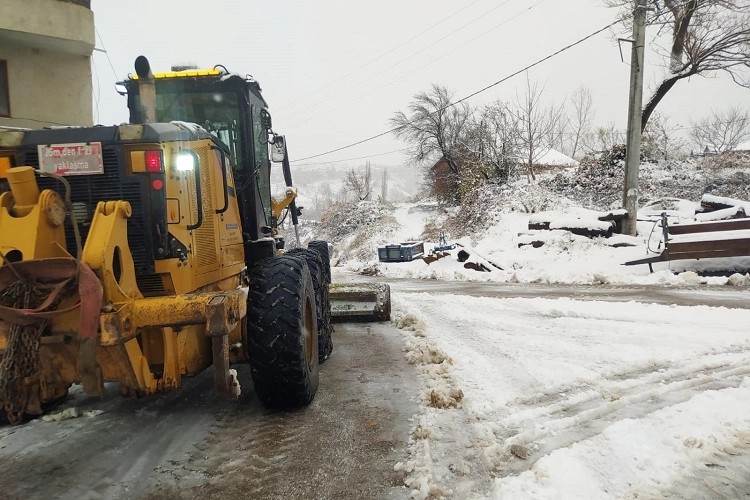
{"points": [[57, 25]]}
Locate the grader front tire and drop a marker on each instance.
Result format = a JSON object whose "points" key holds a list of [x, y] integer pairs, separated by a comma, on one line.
{"points": [[322, 301], [282, 334]]}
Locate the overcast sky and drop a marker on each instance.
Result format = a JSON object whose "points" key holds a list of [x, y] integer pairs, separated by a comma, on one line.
{"points": [[334, 71]]}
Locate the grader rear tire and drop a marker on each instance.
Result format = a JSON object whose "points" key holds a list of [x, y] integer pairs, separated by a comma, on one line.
{"points": [[322, 301], [282, 333]]}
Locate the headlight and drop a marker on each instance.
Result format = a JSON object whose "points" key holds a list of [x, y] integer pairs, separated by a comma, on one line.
{"points": [[185, 162]]}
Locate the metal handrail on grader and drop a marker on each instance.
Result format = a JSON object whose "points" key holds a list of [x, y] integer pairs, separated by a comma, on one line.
{"points": [[143, 252]]}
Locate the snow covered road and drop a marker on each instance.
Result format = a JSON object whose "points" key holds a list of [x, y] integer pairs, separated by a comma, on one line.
{"points": [[557, 398], [506, 397], [190, 444]]}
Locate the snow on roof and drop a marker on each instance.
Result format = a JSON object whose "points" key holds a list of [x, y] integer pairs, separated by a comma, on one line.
{"points": [[745, 146], [554, 157]]}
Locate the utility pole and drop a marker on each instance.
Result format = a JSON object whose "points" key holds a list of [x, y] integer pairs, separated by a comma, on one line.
{"points": [[633, 147]]}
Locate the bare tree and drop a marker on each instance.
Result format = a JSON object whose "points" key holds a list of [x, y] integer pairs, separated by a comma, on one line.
{"points": [[581, 117], [536, 123], [722, 131], [495, 141], [322, 198], [434, 127], [558, 136], [706, 37], [604, 138], [384, 187], [360, 182], [659, 141]]}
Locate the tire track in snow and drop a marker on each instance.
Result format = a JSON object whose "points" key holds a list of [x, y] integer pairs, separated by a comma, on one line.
{"points": [[611, 385], [571, 419]]}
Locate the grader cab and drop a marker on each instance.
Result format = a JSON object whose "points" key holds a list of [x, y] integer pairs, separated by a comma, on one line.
{"points": [[143, 252]]}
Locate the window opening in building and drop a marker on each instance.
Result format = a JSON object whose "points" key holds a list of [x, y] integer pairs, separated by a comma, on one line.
{"points": [[4, 94]]}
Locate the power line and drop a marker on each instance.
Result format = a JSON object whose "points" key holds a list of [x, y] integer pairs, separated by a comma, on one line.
{"points": [[406, 75], [16, 117], [398, 62], [106, 53], [351, 159], [567, 47], [98, 93], [379, 57], [540, 61]]}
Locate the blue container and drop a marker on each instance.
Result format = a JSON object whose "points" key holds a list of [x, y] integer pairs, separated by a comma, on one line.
{"points": [[403, 252]]}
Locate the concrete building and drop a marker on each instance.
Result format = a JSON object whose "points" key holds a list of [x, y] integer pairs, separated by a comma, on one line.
{"points": [[45, 62]]}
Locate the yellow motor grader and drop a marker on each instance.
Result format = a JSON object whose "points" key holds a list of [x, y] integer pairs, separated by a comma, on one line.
{"points": [[143, 252]]}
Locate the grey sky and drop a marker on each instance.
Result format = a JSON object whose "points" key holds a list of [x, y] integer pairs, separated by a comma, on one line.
{"points": [[293, 48]]}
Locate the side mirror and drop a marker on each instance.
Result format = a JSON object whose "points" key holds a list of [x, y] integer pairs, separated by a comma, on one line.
{"points": [[278, 149], [265, 119]]}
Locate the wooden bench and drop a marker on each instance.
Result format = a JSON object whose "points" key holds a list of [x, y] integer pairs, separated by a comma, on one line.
{"points": [[703, 240]]}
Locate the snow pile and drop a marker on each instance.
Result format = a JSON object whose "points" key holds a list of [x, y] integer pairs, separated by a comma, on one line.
{"points": [[70, 413], [597, 182], [556, 158], [356, 229], [487, 205], [441, 394]]}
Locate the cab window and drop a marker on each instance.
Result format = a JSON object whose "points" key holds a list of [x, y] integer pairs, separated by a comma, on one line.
{"points": [[262, 163], [217, 112]]}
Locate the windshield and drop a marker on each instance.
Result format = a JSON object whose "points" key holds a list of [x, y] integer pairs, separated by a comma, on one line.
{"points": [[217, 112]]}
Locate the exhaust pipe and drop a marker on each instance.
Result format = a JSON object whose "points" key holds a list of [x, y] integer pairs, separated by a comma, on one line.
{"points": [[146, 90]]}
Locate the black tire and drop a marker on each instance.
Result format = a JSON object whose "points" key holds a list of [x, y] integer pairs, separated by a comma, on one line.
{"points": [[322, 301], [322, 248], [282, 332]]}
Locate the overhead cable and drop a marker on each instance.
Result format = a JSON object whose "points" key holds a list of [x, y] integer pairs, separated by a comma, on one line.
{"points": [[377, 58], [516, 73], [405, 75], [352, 159], [398, 62], [106, 53]]}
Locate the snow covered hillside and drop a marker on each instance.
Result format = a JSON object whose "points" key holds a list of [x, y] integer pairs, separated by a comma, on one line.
{"points": [[563, 257], [493, 227]]}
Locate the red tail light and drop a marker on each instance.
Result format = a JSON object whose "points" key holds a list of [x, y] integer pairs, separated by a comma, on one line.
{"points": [[154, 163]]}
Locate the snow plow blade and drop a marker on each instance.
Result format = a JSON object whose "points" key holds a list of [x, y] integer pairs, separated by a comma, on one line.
{"points": [[360, 302]]}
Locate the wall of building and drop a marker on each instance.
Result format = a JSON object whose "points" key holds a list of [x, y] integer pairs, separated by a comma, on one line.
{"points": [[47, 45]]}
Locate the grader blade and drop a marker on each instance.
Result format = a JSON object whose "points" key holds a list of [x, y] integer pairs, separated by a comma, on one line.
{"points": [[360, 302]]}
